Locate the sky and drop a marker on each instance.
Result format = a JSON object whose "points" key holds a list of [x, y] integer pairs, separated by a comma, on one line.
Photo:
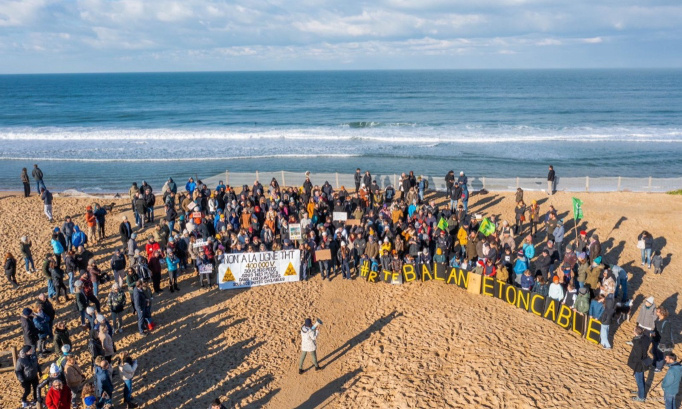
{"points": [[41, 36]]}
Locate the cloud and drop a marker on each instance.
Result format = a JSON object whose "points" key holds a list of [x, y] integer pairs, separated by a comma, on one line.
{"points": [[221, 33]]}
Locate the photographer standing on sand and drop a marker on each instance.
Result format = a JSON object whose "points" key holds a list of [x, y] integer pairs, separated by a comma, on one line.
{"points": [[309, 343]]}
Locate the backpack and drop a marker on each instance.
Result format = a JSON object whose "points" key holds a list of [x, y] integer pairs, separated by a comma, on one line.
{"points": [[95, 348], [143, 271], [582, 303]]}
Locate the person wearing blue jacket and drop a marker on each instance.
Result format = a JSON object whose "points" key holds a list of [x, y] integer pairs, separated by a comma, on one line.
{"points": [[529, 248], [42, 324], [57, 248], [671, 381], [520, 266], [173, 264], [191, 186], [596, 308], [104, 387]]}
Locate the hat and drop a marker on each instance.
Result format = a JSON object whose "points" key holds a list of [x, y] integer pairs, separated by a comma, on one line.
{"points": [[561, 222], [54, 369], [27, 311], [569, 248], [650, 300], [90, 310], [343, 244], [583, 233], [78, 283], [133, 235], [100, 318], [114, 286], [556, 279], [520, 253], [26, 348], [66, 349], [597, 260], [89, 400], [308, 322], [583, 290], [582, 256], [88, 208]]}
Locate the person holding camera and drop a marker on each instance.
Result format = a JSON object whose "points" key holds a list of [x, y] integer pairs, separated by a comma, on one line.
{"points": [[309, 343]]}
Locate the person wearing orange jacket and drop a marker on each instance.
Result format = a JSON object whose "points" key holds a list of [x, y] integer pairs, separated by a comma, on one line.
{"points": [[91, 221]]}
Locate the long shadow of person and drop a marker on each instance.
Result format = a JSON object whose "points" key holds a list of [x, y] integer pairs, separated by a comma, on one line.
{"points": [[348, 345], [320, 396]]}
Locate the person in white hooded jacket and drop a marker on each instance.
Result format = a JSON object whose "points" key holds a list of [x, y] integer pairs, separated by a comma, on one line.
{"points": [[127, 367], [308, 344]]}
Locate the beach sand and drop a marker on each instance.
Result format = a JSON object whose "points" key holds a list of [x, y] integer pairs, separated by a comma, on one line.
{"points": [[419, 345]]}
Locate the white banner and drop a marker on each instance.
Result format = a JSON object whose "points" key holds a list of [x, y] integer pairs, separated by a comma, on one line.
{"points": [[251, 269]]}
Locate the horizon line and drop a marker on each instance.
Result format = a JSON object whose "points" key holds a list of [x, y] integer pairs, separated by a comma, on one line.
{"points": [[349, 70]]}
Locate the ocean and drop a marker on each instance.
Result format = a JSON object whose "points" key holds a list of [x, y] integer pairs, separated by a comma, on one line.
{"points": [[100, 132]]}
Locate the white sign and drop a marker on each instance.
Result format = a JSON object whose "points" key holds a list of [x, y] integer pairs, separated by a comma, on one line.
{"points": [[340, 216], [295, 231], [200, 243], [243, 270], [205, 269]]}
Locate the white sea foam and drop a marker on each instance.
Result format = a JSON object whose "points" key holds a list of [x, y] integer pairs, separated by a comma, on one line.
{"points": [[401, 135]]}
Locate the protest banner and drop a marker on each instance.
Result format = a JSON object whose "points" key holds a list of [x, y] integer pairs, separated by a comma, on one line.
{"points": [[242, 270], [295, 231], [340, 216]]}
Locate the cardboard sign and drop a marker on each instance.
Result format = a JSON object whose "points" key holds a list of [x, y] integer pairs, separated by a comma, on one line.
{"points": [[339, 216], [205, 269], [196, 215], [353, 222], [474, 283], [322, 255], [295, 231]]}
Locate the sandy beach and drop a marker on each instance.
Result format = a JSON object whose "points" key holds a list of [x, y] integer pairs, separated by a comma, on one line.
{"points": [[419, 345]]}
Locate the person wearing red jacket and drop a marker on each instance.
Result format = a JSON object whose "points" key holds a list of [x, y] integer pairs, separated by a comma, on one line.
{"points": [[151, 247], [59, 396]]}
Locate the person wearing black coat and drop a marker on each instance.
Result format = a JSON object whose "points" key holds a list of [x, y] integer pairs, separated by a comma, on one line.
{"points": [[125, 230], [551, 176], [11, 270], [639, 353], [357, 177], [406, 186], [141, 302], [367, 179], [46, 306], [28, 373], [149, 201], [28, 328], [542, 264]]}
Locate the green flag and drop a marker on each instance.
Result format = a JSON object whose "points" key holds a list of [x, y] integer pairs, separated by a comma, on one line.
{"points": [[487, 227], [577, 208], [443, 224]]}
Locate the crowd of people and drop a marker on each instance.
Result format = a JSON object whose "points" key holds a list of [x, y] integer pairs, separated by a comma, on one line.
{"points": [[396, 226]]}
